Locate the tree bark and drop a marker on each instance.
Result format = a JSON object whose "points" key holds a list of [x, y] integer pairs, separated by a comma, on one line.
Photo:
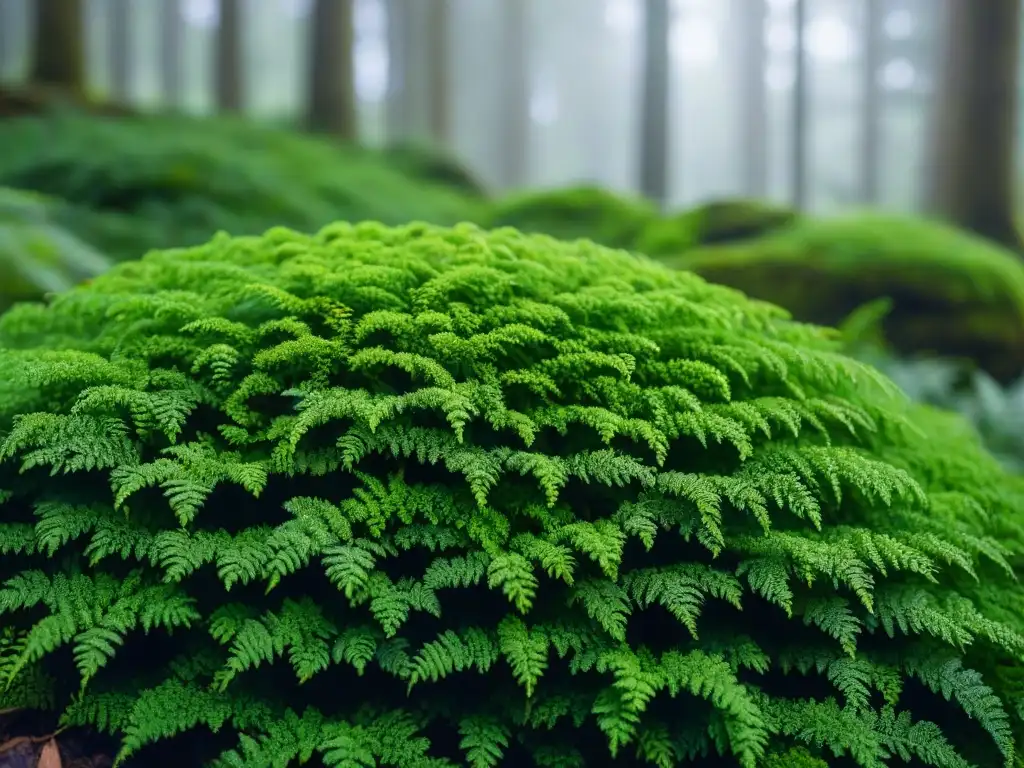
{"points": [[228, 62], [172, 41], [974, 173], [516, 89], [331, 100], [654, 142], [753, 55], [439, 31], [58, 58], [120, 51]]}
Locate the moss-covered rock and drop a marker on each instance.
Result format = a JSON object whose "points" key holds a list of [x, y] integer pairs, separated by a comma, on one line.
{"points": [[430, 165], [153, 182], [717, 221], [586, 212], [953, 294], [426, 498], [37, 256], [35, 99]]}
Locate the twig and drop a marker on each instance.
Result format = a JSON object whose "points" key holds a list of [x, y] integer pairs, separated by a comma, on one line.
{"points": [[17, 741]]}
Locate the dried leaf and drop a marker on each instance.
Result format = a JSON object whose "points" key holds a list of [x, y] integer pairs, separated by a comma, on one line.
{"points": [[49, 757]]}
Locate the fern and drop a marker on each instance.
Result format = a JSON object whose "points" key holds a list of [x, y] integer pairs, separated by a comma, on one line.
{"points": [[428, 497]]}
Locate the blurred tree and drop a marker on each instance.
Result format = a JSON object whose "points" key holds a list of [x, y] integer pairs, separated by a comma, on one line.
{"points": [[172, 84], [516, 91], [331, 100], [973, 174], [58, 57], [419, 100], [751, 18], [228, 64], [438, 28], [120, 50], [654, 143]]}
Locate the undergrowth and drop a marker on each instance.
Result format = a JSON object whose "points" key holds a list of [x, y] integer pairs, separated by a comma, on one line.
{"points": [[428, 497]]}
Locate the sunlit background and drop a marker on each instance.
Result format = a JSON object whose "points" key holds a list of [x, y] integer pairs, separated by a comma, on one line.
{"points": [[867, 78]]}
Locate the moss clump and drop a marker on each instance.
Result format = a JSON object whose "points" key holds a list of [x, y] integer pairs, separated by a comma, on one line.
{"points": [[432, 166], [952, 293], [135, 184], [437, 497], [36, 255], [718, 221], [577, 212]]}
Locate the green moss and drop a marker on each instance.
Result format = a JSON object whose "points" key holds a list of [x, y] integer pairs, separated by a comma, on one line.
{"points": [[429, 165], [438, 497], [718, 221], [154, 182], [577, 212], [952, 293]]}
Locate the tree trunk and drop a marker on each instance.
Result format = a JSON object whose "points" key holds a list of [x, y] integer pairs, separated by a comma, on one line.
{"points": [[120, 51], [228, 62], [439, 31], [654, 120], [871, 115], [800, 138], [516, 91], [58, 57], [974, 172], [331, 100], [753, 55], [172, 84]]}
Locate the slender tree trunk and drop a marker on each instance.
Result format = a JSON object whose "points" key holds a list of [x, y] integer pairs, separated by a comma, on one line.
{"points": [[228, 63], [974, 172], [654, 142], [331, 75], [439, 31], [397, 109], [871, 114], [800, 148], [516, 90], [120, 51], [58, 57], [754, 98], [171, 45]]}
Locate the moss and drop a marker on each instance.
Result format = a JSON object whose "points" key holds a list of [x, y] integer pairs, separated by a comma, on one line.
{"points": [[952, 293], [436, 497], [153, 182], [576, 212], [427, 164], [718, 221], [41, 100]]}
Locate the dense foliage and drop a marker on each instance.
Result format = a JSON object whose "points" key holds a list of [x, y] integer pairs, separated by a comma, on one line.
{"points": [[996, 411], [36, 255], [953, 294], [133, 184], [431, 497]]}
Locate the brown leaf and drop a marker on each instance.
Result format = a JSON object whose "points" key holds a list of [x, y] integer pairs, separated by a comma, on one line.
{"points": [[49, 757]]}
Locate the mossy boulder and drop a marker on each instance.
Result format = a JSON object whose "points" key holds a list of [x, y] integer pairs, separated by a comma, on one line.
{"points": [[428, 497], [36, 255], [154, 182], [714, 222], [586, 212], [953, 294], [431, 165], [35, 100]]}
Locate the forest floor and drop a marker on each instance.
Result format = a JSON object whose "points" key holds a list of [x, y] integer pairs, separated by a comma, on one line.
{"points": [[28, 744]]}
